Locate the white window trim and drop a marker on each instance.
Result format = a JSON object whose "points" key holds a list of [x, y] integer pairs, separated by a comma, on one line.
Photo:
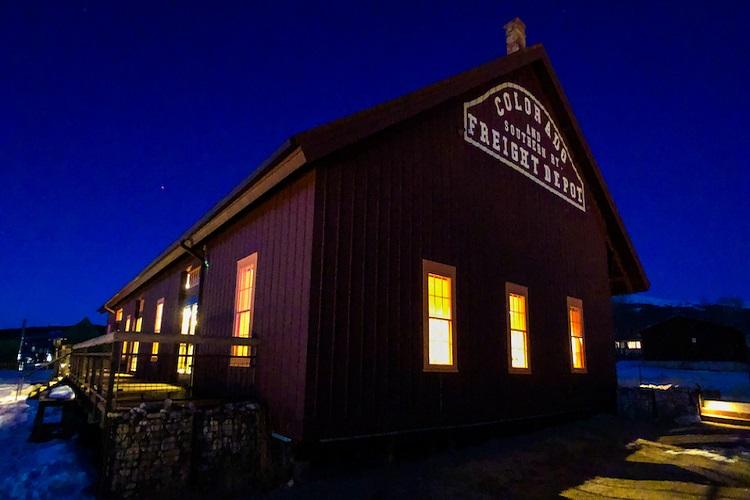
{"points": [[517, 290], [575, 302], [448, 271], [250, 260], [158, 318]]}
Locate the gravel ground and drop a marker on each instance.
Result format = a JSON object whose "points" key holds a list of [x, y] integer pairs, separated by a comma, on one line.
{"points": [[602, 457]]}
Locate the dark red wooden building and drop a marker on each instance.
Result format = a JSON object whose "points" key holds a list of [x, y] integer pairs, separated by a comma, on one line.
{"points": [[445, 259]]}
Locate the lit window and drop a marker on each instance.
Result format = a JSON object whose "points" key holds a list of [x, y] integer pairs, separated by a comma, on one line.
{"points": [[189, 319], [439, 316], [575, 326], [518, 318], [154, 352], [129, 355], [117, 323], [124, 354], [127, 323], [138, 315], [634, 344], [244, 299], [192, 278], [240, 356], [159, 313], [134, 356], [185, 359]]}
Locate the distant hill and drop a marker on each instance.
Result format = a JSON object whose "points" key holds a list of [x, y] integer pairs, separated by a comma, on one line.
{"points": [[631, 317], [38, 340]]}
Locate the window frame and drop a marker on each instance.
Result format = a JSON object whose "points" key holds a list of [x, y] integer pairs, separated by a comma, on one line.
{"points": [[185, 361], [517, 289], [447, 271], [195, 272], [577, 303], [192, 323], [140, 304], [243, 263], [159, 315], [237, 360]]}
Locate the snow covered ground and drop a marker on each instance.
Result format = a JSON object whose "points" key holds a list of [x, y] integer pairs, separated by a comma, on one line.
{"points": [[53, 469], [732, 385]]}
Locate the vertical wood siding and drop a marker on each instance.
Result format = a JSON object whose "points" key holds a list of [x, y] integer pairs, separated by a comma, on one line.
{"points": [[418, 191], [280, 229]]}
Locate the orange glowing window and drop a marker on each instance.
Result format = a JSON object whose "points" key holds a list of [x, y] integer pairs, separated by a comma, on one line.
{"points": [[518, 339], [439, 316], [139, 315], [244, 299], [117, 324], [127, 323], [185, 359], [154, 352], [124, 354], [575, 326], [129, 356], [240, 356], [134, 356], [159, 314]]}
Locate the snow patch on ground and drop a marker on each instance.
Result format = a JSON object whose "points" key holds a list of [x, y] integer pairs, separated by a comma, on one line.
{"points": [[703, 453], [733, 385], [53, 469]]}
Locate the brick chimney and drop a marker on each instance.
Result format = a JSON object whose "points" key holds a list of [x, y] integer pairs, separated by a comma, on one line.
{"points": [[515, 36]]}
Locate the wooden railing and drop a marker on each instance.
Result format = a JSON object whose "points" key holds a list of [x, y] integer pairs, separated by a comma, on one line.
{"points": [[113, 376]]}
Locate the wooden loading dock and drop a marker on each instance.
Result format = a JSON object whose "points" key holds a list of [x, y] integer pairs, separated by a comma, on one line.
{"points": [[442, 260]]}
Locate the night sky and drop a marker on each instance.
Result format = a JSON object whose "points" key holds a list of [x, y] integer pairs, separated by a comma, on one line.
{"points": [[121, 125]]}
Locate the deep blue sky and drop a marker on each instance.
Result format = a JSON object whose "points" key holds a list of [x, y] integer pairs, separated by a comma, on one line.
{"points": [[121, 125]]}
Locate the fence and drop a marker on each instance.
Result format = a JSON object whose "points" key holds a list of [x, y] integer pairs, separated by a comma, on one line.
{"points": [[118, 371]]}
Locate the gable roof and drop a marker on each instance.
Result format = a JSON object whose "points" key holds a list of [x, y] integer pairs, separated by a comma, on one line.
{"points": [[626, 273]]}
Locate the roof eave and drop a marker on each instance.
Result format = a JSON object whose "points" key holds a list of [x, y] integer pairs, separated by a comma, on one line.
{"points": [[286, 159]]}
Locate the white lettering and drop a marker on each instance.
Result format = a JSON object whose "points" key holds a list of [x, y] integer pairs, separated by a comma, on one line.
{"points": [[495, 140], [535, 164], [498, 106], [524, 158], [472, 123], [483, 133], [517, 102], [506, 101]]}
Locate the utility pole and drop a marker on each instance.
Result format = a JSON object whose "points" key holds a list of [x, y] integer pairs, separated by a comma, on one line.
{"points": [[18, 358], [20, 345]]}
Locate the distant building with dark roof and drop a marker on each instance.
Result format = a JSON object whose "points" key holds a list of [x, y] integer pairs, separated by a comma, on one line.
{"points": [[685, 339]]}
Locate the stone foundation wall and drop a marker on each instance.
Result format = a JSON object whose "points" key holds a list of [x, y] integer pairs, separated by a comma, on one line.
{"points": [[172, 450], [671, 405]]}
